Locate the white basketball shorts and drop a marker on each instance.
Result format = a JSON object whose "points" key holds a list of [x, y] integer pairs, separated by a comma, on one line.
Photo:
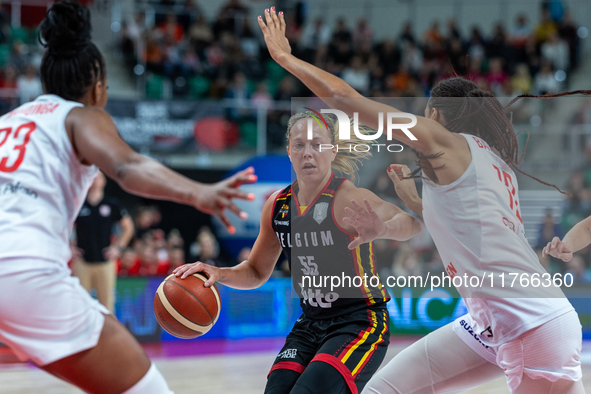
{"points": [[45, 314], [551, 351]]}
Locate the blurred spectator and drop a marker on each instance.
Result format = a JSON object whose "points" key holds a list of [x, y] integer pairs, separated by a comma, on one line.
{"points": [[342, 32], [453, 32], [29, 85], [548, 230], [95, 254], [407, 35], [362, 35], [497, 47], [287, 89], [314, 35], [231, 18], [545, 80], [521, 81], [195, 247], [568, 32], [200, 34], [476, 45], [412, 58], [177, 258], [521, 31], [262, 98], [171, 30], [357, 76], [555, 50], [129, 263], [175, 240], [209, 250], [545, 27], [18, 56], [239, 92]]}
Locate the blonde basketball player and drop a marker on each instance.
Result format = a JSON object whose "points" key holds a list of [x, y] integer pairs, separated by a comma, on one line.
{"points": [[342, 336], [49, 153], [470, 205]]}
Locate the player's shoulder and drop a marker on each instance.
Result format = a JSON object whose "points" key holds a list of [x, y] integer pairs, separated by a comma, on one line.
{"points": [[88, 114]]}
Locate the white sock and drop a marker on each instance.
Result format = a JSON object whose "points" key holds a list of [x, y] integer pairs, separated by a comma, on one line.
{"points": [[152, 383]]}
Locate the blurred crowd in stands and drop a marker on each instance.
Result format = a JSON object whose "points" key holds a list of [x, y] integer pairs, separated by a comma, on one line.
{"points": [[225, 58]]}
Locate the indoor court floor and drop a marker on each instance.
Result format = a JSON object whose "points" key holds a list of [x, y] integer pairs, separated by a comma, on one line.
{"points": [[212, 367]]}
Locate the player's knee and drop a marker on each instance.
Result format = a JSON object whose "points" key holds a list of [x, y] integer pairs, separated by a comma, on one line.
{"points": [[281, 381], [319, 378]]}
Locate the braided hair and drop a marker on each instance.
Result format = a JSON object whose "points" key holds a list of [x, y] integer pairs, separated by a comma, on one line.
{"points": [[72, 63], [469, 109]]}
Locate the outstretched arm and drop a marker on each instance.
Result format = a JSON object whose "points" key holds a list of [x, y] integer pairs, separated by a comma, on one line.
{"points": [[373, 218], [96, 141], [406, 188], [576, 239], [254, 271], [431, 136]]}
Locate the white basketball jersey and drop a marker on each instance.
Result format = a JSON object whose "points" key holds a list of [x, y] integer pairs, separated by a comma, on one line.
{"points": [[476, 225], [42, 182]]}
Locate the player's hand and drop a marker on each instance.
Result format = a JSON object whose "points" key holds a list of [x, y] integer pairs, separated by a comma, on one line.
{"points": [[216, 198], [405, 188], [111, 253], [274, 33], [559, 249], [213, 273], [365, 221]]}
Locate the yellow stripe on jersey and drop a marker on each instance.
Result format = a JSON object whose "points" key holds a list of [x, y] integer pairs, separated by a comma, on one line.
{"points": [[360, 341], [372, 347], [303, 209], [372, 265], [362, 273]]}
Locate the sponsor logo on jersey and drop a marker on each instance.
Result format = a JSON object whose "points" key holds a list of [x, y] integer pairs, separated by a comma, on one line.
{"points": [[281, 222], [288, 353], [320, 212], [470, 331], [284, 211]]}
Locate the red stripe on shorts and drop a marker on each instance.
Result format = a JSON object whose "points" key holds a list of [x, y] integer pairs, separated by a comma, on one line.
{"points": [[339, 366], [291, 365]]}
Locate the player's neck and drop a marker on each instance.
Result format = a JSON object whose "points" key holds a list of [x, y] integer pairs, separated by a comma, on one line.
{"points": [[308, 191]]}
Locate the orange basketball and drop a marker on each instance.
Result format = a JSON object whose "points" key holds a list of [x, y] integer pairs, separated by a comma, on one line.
{"points": [[186, 308]]}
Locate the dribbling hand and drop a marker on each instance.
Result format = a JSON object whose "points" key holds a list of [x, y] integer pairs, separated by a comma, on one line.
{"points": [[559, 249], [365, 221], [274, 34], [216, 198], [213, 273]]}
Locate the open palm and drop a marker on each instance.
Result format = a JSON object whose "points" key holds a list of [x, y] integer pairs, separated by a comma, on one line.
{"points": [[365, 221]]}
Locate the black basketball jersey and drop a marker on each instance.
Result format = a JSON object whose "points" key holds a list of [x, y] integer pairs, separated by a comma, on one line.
{"points": [[319, 257]]}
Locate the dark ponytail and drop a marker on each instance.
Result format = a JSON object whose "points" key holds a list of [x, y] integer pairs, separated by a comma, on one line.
{"points": [[469, 109], [72, 63]]}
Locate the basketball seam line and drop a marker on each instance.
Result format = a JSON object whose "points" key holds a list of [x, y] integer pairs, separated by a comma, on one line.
{"points": [[192, 295], [175, 334]]}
